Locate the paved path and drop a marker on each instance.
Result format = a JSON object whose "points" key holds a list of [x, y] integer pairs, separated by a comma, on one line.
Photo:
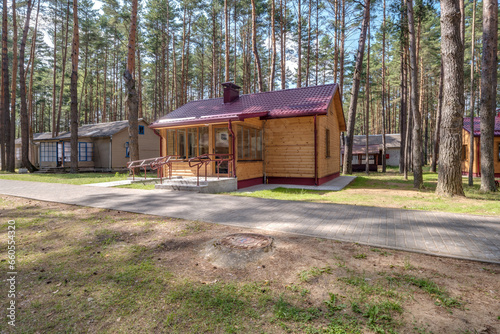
{"points": [[462, 236]]}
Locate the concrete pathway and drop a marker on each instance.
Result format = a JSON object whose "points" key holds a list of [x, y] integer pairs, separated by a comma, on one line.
{"points": [[336, 184], [445, 234]]}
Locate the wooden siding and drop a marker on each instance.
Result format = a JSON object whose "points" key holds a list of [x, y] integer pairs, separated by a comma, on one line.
{"points": [[149, 146], [289, 147], [477, 154], [331, 164], [246, 170]]}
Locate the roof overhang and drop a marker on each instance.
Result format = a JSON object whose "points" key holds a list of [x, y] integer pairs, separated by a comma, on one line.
{"points": [[206, 119]]}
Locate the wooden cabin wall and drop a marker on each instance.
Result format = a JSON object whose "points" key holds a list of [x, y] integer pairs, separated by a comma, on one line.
{"points": [[328, 165], [289, 147], [496, 157]]}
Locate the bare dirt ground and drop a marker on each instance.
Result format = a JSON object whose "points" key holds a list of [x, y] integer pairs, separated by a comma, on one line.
{"points": [[81, 270]]}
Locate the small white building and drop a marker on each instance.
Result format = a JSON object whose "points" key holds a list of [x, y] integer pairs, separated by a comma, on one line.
{"points": [[392, 145]]}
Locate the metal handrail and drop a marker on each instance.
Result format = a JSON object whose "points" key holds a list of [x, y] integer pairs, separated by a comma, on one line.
{"points": [[205, 160]]}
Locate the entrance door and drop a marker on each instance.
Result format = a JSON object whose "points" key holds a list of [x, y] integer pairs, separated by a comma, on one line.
{"points": [[221, 146]]}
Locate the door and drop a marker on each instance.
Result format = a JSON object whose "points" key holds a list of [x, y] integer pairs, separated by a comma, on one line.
{"points": [[222, 147]]}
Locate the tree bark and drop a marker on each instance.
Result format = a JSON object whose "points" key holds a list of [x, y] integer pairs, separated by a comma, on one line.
{"points": [[131, 102], [299, 46], [367, 92], [347, 167], [74, 90], [54, 79], [342, 50], [452, 48], [65, 53], [11, 157], [488, 93], [5, 121], [273, 44], [472, 91], [254, 46], [383, 95], [226, 63], [308, 58], [438, 122], [418, 182], [24, 108], [30, 90]]}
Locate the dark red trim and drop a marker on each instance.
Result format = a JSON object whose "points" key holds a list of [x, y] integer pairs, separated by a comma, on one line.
{"points": [[304, 181], [250, 182], [473, 174]]}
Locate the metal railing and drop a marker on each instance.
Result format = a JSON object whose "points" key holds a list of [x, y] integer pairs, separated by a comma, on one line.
{"points": [[206, 159], [169, 160]]}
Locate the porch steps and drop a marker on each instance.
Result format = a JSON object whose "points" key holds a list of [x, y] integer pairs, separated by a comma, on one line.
{"points": [[212, 185]]}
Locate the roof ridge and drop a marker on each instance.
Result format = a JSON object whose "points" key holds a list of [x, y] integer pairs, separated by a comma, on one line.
{"points": [[287, 89]]}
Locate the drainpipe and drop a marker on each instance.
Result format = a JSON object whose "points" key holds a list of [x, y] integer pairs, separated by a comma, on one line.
{"points": [[110, 153], [230, 128], [315, 152]]}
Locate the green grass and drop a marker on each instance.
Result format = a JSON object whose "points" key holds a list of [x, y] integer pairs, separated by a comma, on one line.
{"points": [[80, 178], [307, 275], [143, 186], [392, 190]]}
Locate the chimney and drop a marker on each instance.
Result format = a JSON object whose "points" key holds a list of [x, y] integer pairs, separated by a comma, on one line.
{"points": [[231, 92]]}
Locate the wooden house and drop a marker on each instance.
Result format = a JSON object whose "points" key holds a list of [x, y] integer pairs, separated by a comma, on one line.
{"points": [[476, 168], [101, 147], [392, 145], [33, 152], [289, 136]]}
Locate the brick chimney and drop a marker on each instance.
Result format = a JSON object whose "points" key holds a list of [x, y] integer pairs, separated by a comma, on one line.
{"points": [[231, 92]]}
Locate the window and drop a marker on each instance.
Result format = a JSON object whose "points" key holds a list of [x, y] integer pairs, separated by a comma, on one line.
{"points": [[141, 129], [127, 151], [327, 144], [18, 153], [187, 143], [498, 151], [249, 143], [85, 151], [48, 151], [464, 152]]}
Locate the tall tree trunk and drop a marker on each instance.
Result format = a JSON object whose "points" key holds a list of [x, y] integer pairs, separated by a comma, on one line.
{"points": [[450, 174], [104, 114], [417, 123], [5, 121], [74, 90], [367, 98], [299, 42], [308, 57], [30, 89], [488, 92], [472, 91], [10, 150], [226, 63], [342, 50], [283, 44], [254, 46], [131, 102], [347, 168], [403, 125], [317, 43], [65, 55], [384, 164], [273, 43], [54, 79], [139, 85], [438, 122], [24, 109]]}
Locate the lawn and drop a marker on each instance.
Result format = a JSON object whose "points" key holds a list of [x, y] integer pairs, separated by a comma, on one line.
{"points": [[103, 271], [392, 190], [80, 178]]}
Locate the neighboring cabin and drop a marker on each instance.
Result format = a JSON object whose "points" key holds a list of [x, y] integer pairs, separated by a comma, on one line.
{"points": [[33, 152], [392, 145], [476, 168], [289, 136], [101, 147]]}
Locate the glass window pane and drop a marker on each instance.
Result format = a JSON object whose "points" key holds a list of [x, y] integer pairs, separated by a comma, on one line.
{"points": [[203, 140], [171, 142], [181, 143], [192, 142]]}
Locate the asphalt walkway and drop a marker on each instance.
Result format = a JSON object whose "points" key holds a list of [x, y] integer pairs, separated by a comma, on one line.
{"points": [[446, 234]]}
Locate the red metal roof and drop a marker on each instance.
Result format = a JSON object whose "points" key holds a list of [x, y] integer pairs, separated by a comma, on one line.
{"points": [[477, 125], [295, 102]]}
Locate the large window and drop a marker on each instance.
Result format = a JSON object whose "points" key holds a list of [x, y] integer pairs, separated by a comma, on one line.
{"points": [[249, 143], [187, 143], [85, 151], [48, 152]]}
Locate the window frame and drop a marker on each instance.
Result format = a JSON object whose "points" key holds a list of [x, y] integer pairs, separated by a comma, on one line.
{"points": [[141, 130], [327, 144], [127, 149], [252, 151]]}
